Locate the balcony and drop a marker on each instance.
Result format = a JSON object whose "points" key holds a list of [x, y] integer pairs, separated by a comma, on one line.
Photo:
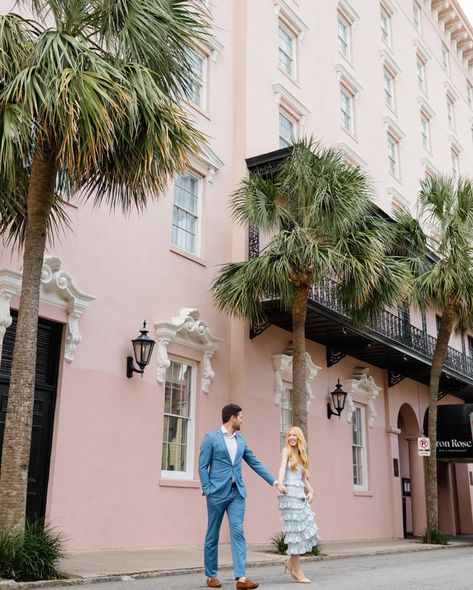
{"points": [[390, 342]]}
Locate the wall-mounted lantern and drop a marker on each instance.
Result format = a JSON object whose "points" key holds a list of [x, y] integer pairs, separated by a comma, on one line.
{"points": [[339, 397], [142, 347]]}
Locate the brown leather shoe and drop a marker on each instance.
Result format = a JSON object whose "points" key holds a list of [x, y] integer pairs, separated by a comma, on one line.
{"points": [[246, 585], [213, 583]]}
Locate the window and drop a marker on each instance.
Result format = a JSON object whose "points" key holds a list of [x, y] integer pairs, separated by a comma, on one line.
{"points": [[470, 345], [425, 130], [469, 93], [344, 36], [198, 85], [445, 58], [178, 428], [287, 130], [421, 73], [346, 109], [286, 412], [360, 471], [393, 155], [287, 50], [389, 88], [404, 318], [438, 319], [385, 25], [451, 111], [186, 209], [417, 16], [455, 163]]}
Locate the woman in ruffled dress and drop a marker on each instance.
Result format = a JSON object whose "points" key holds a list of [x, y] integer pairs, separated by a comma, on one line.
{"points": [[299, 528]]}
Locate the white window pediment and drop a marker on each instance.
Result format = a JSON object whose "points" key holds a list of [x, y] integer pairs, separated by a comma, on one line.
{"points": [[282, 364], [188, 329], [361, 385], [57, 289]]}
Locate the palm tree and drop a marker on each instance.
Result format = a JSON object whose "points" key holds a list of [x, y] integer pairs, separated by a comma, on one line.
{"points": [[443, 253], [319, 211], [90, 95]]}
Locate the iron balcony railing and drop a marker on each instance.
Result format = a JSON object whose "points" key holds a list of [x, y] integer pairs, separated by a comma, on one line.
{"points": [[397, 329]]}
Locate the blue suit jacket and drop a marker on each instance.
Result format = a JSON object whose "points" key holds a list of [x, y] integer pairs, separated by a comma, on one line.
{"points": [[216, 470]]}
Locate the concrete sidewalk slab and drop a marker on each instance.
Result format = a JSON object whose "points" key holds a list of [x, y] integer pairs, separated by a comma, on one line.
{"points": [[92, 564]]}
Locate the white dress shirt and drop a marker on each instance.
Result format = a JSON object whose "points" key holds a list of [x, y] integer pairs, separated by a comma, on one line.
{"points": [[231, 442]]}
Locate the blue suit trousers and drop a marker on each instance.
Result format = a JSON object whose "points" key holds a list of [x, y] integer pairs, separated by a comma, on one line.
{"points": [[234, 505]]}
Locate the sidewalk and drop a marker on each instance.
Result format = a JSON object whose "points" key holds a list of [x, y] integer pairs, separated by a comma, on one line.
{"points": [[172, 560], [98, 566]]}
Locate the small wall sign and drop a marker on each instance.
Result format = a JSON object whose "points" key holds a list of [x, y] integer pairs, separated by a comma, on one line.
{"points": [[423, 446]]}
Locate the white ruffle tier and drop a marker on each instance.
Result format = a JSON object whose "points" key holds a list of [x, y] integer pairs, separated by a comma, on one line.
{"points": [[298, 520]]}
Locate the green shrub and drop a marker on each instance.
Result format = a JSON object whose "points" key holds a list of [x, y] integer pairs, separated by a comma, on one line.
{"points": [[277, 541], [32, 556], [437, 538]]}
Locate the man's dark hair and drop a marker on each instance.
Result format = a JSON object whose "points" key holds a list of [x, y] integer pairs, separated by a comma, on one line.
{"points": [[230, 410]]}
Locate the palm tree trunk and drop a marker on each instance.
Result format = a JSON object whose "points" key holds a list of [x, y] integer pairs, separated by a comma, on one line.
{"points": [[18, 424], [299, 395], [438, 359]]}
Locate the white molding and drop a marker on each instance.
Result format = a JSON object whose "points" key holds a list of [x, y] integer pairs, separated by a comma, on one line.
{"points": [[344, 76], [389, 62], [395, 195], [451, 90], [210, 160], [455, 144], [422, 50], [283, 10], [426, 163], [391, 127], [57, 289], [362, 385], [348, 11], [282, 364], [188, 329], [390, 6], [425, 107], [351, 154], [281, 94]]}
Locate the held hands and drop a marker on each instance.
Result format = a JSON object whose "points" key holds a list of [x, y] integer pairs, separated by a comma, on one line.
{"points": [[310, 496], [280, 488]]}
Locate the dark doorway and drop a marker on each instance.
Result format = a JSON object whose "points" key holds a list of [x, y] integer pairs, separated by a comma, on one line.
{"points": [[47, 368]]}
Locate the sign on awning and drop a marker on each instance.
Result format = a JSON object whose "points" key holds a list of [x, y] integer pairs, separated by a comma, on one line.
{"points": [[454, 432]]}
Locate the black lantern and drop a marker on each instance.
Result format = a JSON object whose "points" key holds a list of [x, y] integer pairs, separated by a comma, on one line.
{"points": [[143, 348], [339, 397]]}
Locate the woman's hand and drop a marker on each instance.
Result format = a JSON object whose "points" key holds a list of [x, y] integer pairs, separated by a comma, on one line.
{"points": [[310, 496]]}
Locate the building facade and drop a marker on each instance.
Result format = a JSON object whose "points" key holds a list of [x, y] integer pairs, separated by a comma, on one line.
{"points": [[114, 460]]}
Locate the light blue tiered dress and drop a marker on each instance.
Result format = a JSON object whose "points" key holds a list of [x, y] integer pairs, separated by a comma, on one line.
{"points": [[298, 520]]}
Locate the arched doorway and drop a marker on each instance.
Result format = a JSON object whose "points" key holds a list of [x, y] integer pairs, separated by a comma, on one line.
{"points": [[411, 470]]}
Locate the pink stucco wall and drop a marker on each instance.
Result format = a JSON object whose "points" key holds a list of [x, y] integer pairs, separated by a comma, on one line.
{"points": [[106, 488]]}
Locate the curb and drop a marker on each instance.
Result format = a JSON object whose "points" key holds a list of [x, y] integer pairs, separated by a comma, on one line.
{"points": [[80, 581]]}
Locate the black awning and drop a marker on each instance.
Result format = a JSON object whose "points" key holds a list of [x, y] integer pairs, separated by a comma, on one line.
{"points": [[454, 433]]}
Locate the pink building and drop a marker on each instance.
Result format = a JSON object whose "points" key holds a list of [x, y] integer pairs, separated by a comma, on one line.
{"points": [[114, 460]]}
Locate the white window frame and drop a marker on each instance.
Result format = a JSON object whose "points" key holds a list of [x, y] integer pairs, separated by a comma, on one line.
{"points": [[417, 16], [393, 154], [344, 42], [389, 76], [421, 72], [286, 406], [283, 140], [469, 93], [202, 76], [386, 25], [188, 474], [197, 215], [450, 111], [455, 160], [292, 58], [345, 116], [360, 410], [425, 130], [445, 58]]}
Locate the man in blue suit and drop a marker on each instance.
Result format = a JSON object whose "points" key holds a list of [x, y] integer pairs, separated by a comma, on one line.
{"points": [[221, 453]]}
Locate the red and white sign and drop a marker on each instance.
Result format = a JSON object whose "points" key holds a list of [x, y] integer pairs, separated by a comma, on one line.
{"points": [[423, 446]]}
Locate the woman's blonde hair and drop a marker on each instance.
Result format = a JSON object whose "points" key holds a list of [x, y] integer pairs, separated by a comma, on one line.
{"points": [[298, 453]]}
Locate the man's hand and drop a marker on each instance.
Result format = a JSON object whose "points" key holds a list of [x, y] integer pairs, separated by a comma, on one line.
{"points": [[280, 488]]}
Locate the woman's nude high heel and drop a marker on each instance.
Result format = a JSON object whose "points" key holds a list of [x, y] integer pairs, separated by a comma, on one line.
{"points": [[288, 568]]}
